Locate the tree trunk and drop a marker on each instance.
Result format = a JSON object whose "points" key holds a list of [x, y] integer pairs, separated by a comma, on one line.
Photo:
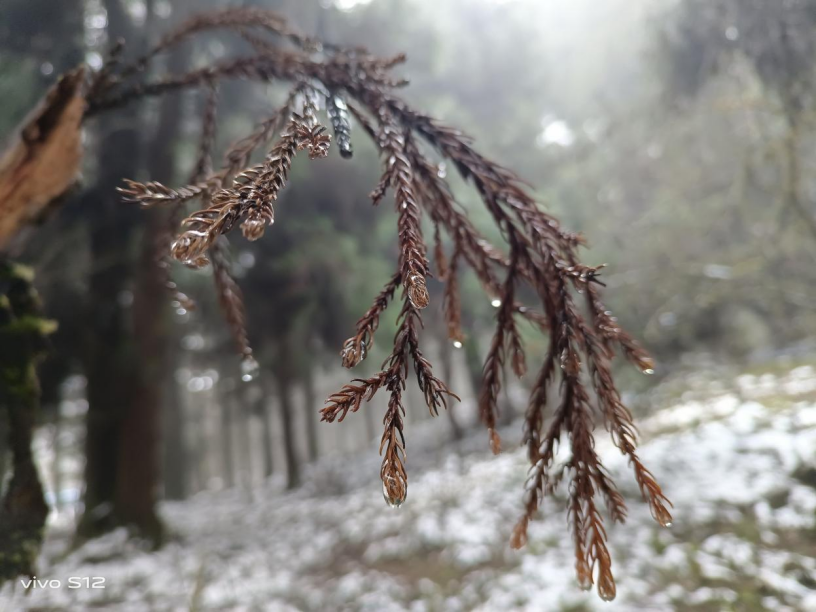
{"points": [[176, 452], [162, 165], [310, 414], [508, 413], [138, 476], [473, 361], [127, 438], [245, 444], [22, 341], [446, 353], [111, 362], [227, 462], [283, 378], [56, 465], [370, 428], [261, 408]]}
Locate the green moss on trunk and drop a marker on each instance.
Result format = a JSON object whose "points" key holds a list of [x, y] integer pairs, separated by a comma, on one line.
{"points": [[23, 341]]}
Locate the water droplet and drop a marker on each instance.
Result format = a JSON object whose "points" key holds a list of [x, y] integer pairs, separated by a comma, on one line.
{"points": [[648, 371], [393, 500], [668, 524], [496, 303], [405, 205], [441, 170], [249, 369], [457, 344]]}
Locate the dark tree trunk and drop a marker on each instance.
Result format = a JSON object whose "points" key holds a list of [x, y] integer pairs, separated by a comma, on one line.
{"points": [[176, 452], [110, 364], [260, 406], [283, 379], [138, 476], [370, 429], [227, 465], [473, 361], [22, 341], [310, 414], [162, 164], [56, 465], [508, 413], [446, 353], [245, 445], [118, 389]]}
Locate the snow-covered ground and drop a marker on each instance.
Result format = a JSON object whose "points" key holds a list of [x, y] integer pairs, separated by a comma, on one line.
{"points": [[737, 460]]}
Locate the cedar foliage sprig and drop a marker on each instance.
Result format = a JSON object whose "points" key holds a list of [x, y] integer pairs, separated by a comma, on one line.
{"points": [[341, 124], [541, 258]]}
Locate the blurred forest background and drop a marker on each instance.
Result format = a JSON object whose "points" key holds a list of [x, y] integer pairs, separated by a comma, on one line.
{"points": [[675, 135]]}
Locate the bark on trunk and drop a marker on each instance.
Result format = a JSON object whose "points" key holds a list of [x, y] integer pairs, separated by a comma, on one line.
{"points": [[310, 414], [261, 407], [283, 378], [176, 451], [110, 362], [227, 462], [23, 340], [138, 477]]}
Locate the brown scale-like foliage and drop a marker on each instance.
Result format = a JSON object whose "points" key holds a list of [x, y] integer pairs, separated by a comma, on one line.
{"points": [[452, 304], [540, 258], [356, 348]]}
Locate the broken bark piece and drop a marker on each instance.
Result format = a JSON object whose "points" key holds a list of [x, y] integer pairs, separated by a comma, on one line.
{"points": [[43, 159]]}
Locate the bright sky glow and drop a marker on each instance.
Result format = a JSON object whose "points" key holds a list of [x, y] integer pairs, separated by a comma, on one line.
{"points": [[556, 131], [347, 5]]}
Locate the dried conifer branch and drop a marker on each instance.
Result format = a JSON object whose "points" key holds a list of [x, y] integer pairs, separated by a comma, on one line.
{"points": [[253, 192], [238, 155], [356, 348], [229, 18], [479, 253], [439, 254], [542, 256], [350, 397], [105, 78], [152, 193], [547, 263], [230, 297], [534, 415], [263, 188], [452, 303], [412, 261], [206, 144], [392, 448], [491, 375], [201, 169], [434, 390], [179, 298]]}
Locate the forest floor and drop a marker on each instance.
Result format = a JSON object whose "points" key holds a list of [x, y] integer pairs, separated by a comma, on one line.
{"points": [[738, 459]]}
